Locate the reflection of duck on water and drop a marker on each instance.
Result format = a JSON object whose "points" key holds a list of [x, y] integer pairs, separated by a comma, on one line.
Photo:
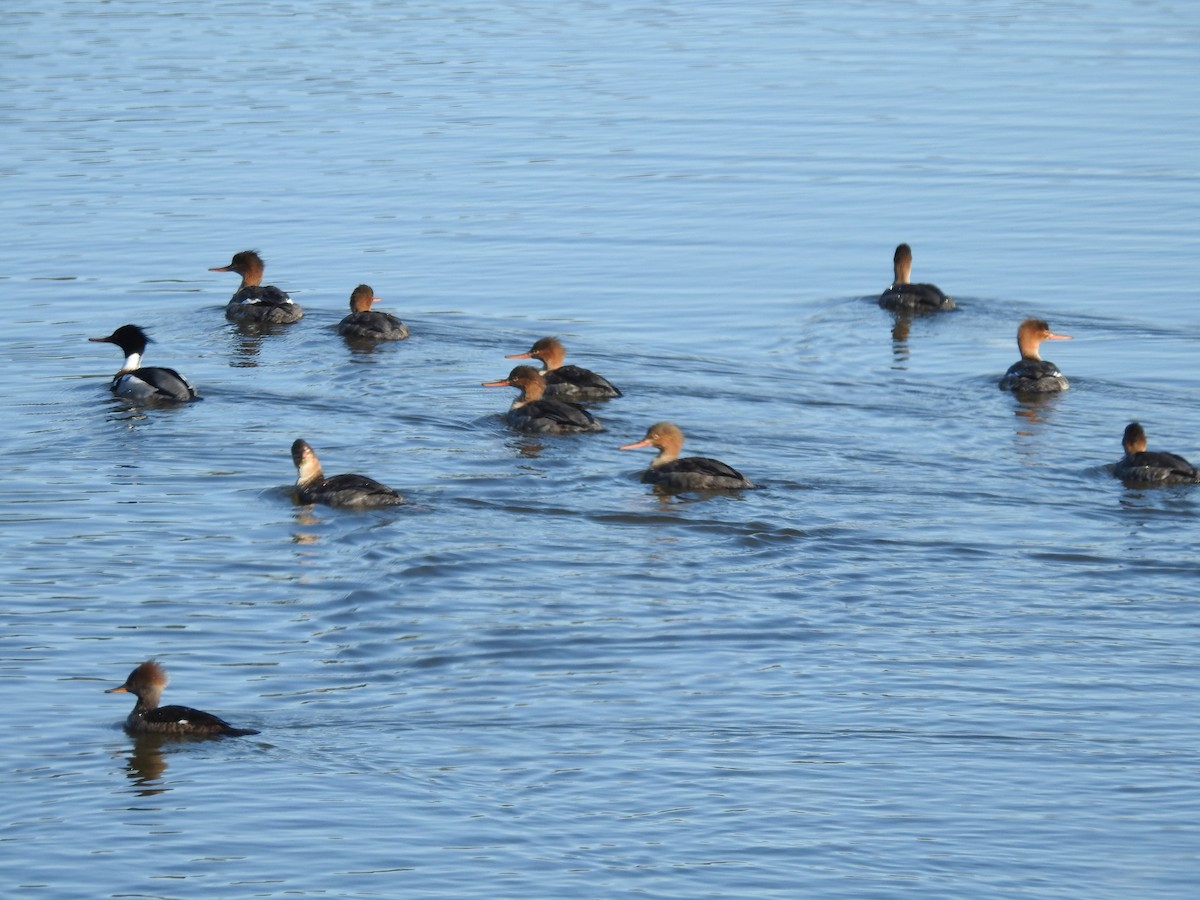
{"points": [[147, 763]]}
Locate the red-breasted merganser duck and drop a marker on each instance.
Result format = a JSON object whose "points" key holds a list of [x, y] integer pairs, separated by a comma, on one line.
{"points": [[146, 682], [532, 412], [338, 490], [572, 383], [137, 382], [1032, 374], [367, 324], [254, 301], [692, 473], [1143, 467], [905, 295]]}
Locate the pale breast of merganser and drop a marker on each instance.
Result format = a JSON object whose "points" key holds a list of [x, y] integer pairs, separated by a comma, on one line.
{"points": [[254, 301], [137, 382], [146, 682], [1032, 374], [366, 324], [357, 491], [571, 383], [692, 473], [904, 295], [543, 415], [1140, 466]]}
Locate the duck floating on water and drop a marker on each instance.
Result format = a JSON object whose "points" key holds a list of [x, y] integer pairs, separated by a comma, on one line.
{"points": [[357, 491], [146, 682], [571, 383], [1032, 374], [1151, 467], [254, 301], [366, 324], [904, 295], [542, 415], [692, 473], [137, 382]]}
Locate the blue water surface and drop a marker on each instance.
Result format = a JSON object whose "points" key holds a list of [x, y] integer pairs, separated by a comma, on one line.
{"points": [[940, 651]]}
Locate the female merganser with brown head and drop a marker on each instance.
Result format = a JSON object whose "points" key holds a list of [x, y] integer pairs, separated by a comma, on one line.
{"points": [[571, 383], [366, 324], [905, 295], [146, 682], [137, 382], [338, 490], [1143, 467], [1032, 374], [692, 473], [254, 301], [531, 412]]}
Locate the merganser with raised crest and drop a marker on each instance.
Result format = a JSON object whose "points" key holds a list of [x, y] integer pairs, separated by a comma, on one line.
{"points": [[572, 383], [1140, 466], [137, 382], [146, 682], [692, 473], [1032, 374], [545, 415], [904, 295], [337, 490], [366, 324], [254, 301]]}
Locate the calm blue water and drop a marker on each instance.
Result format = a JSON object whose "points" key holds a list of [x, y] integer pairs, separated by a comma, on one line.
{"points": [[940, 652]]}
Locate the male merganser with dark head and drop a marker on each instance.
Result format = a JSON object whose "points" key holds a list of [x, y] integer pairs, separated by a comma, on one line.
{"points": [[531, 412], [1032, 374], [572, 383], [692, 473], [903, 294], [338, 490], [1143, 467], [137, 382], [254, 301], [366, 324], [146, 682]]}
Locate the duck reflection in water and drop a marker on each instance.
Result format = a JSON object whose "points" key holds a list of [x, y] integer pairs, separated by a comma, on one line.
{"points": [[146, 764]]}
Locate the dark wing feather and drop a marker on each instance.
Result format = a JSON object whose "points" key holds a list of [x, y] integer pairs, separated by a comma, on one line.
{"points": [[574, 382], [915, 296], [372, 325], [553, 415], [184, 720], [350, 490], [167, 382]]}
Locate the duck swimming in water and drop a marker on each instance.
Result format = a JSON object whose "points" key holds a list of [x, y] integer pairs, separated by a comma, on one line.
{"points": [[692, 473], [366, 324], [137, 382], [1032, 374], [146, 682], [1151, 467], [531, 412], [571, 383], [904, 295], [357, 491], [254, 301]]}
